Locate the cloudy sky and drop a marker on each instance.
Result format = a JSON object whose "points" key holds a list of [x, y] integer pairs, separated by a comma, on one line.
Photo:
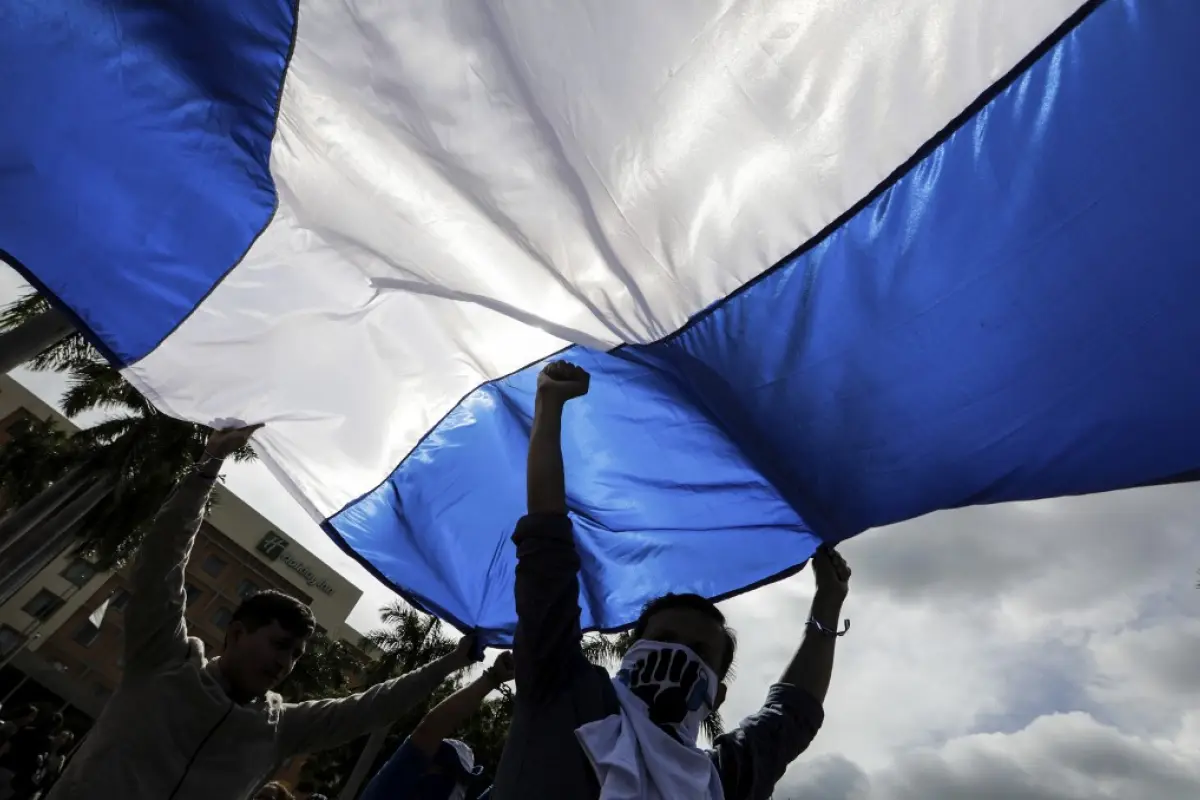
{"points": [[1040, 651]]}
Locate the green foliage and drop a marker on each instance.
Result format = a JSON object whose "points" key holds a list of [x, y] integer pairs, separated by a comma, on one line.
{"points": [[144, 451], [62, 356], [329, 668], [35, 456]]}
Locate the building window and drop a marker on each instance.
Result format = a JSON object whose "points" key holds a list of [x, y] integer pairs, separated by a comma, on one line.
{"points": [[247, 588], [120, 599], [79, 572], [43, 605], [193, 594], [86, 635], [213, 565], [10, 639], [222, 618]]}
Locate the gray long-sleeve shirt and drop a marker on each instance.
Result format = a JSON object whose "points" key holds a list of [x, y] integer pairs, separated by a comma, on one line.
{"points": [[558, 690], [171, 732]]}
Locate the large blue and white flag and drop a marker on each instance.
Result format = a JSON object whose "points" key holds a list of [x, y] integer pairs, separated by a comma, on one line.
{"points": [[831, 264]]}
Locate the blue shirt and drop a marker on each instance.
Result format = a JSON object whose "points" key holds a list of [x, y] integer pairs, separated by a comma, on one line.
{"points": [[400, 775], [398, 778]]}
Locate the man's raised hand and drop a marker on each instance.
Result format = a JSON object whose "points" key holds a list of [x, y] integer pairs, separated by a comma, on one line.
{"points": [[467, 651], [831, 572], [224, 443], [502, 670], [561, 381]]}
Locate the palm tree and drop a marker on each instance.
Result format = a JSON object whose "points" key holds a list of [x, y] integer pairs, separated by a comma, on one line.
{"points": [[102, 485], [40, 336], [329, 668], [36, 454]]}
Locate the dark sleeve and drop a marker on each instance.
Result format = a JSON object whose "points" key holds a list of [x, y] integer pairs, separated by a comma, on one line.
{"points": [[155, 625], [398, 778], [546, 646], [753, 757]]}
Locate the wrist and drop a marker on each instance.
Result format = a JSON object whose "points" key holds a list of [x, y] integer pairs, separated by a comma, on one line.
{"points": [[547, 403], [209, 466], [827, 606]]}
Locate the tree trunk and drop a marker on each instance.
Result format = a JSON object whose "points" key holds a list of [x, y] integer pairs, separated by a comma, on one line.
{"points": [[30, 339], [35, 533], [359, 776]]}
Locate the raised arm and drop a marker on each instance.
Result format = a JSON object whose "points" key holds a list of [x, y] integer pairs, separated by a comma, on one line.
{"points": [[321, 724], [452, 713], [547, 642], [812, 666], [754, 757], [155, 631], [399, 777]]}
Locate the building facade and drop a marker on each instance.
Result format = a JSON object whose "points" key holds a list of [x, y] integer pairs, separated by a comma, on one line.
{"points": [[61, 633]]}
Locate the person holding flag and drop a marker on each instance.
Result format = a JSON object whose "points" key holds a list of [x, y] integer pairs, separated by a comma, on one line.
{"points": [[183, 726]]}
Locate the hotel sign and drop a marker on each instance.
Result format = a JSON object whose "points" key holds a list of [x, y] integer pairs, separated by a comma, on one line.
{"points": [[274, 547]]}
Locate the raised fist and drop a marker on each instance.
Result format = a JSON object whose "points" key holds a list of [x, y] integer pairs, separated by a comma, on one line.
{"points": [[671, 684], [561, 381]]}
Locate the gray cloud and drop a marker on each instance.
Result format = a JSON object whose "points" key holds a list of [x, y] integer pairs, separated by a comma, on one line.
{"points": [[1061, 757], [1064, 554], [831, 777]]}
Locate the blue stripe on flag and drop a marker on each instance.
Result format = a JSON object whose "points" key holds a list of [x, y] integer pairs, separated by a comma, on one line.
{"points": [[1013, 318], [179, 101]]}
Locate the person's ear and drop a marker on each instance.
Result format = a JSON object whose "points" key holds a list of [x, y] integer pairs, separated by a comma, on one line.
{"points": [[722, 691]]}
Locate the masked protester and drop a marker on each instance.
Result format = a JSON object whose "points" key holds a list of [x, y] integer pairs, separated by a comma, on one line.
{"points": [[431, 766], [182, 726], [578, 733]]}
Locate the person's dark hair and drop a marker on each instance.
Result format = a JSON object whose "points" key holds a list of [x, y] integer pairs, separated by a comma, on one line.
{"points": [[263, 608], [693, 602]]}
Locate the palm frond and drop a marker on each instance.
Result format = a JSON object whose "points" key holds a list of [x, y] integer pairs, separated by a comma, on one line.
{"points": [[409, 639], [602, 650], [713, 726], [36, 454], [26, 307], [327, 669], [143, 451], [61, 357], [96, 385]]}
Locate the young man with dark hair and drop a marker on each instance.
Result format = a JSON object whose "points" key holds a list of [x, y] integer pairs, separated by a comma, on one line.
{"points": [[577, 732], [182, 726]]}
